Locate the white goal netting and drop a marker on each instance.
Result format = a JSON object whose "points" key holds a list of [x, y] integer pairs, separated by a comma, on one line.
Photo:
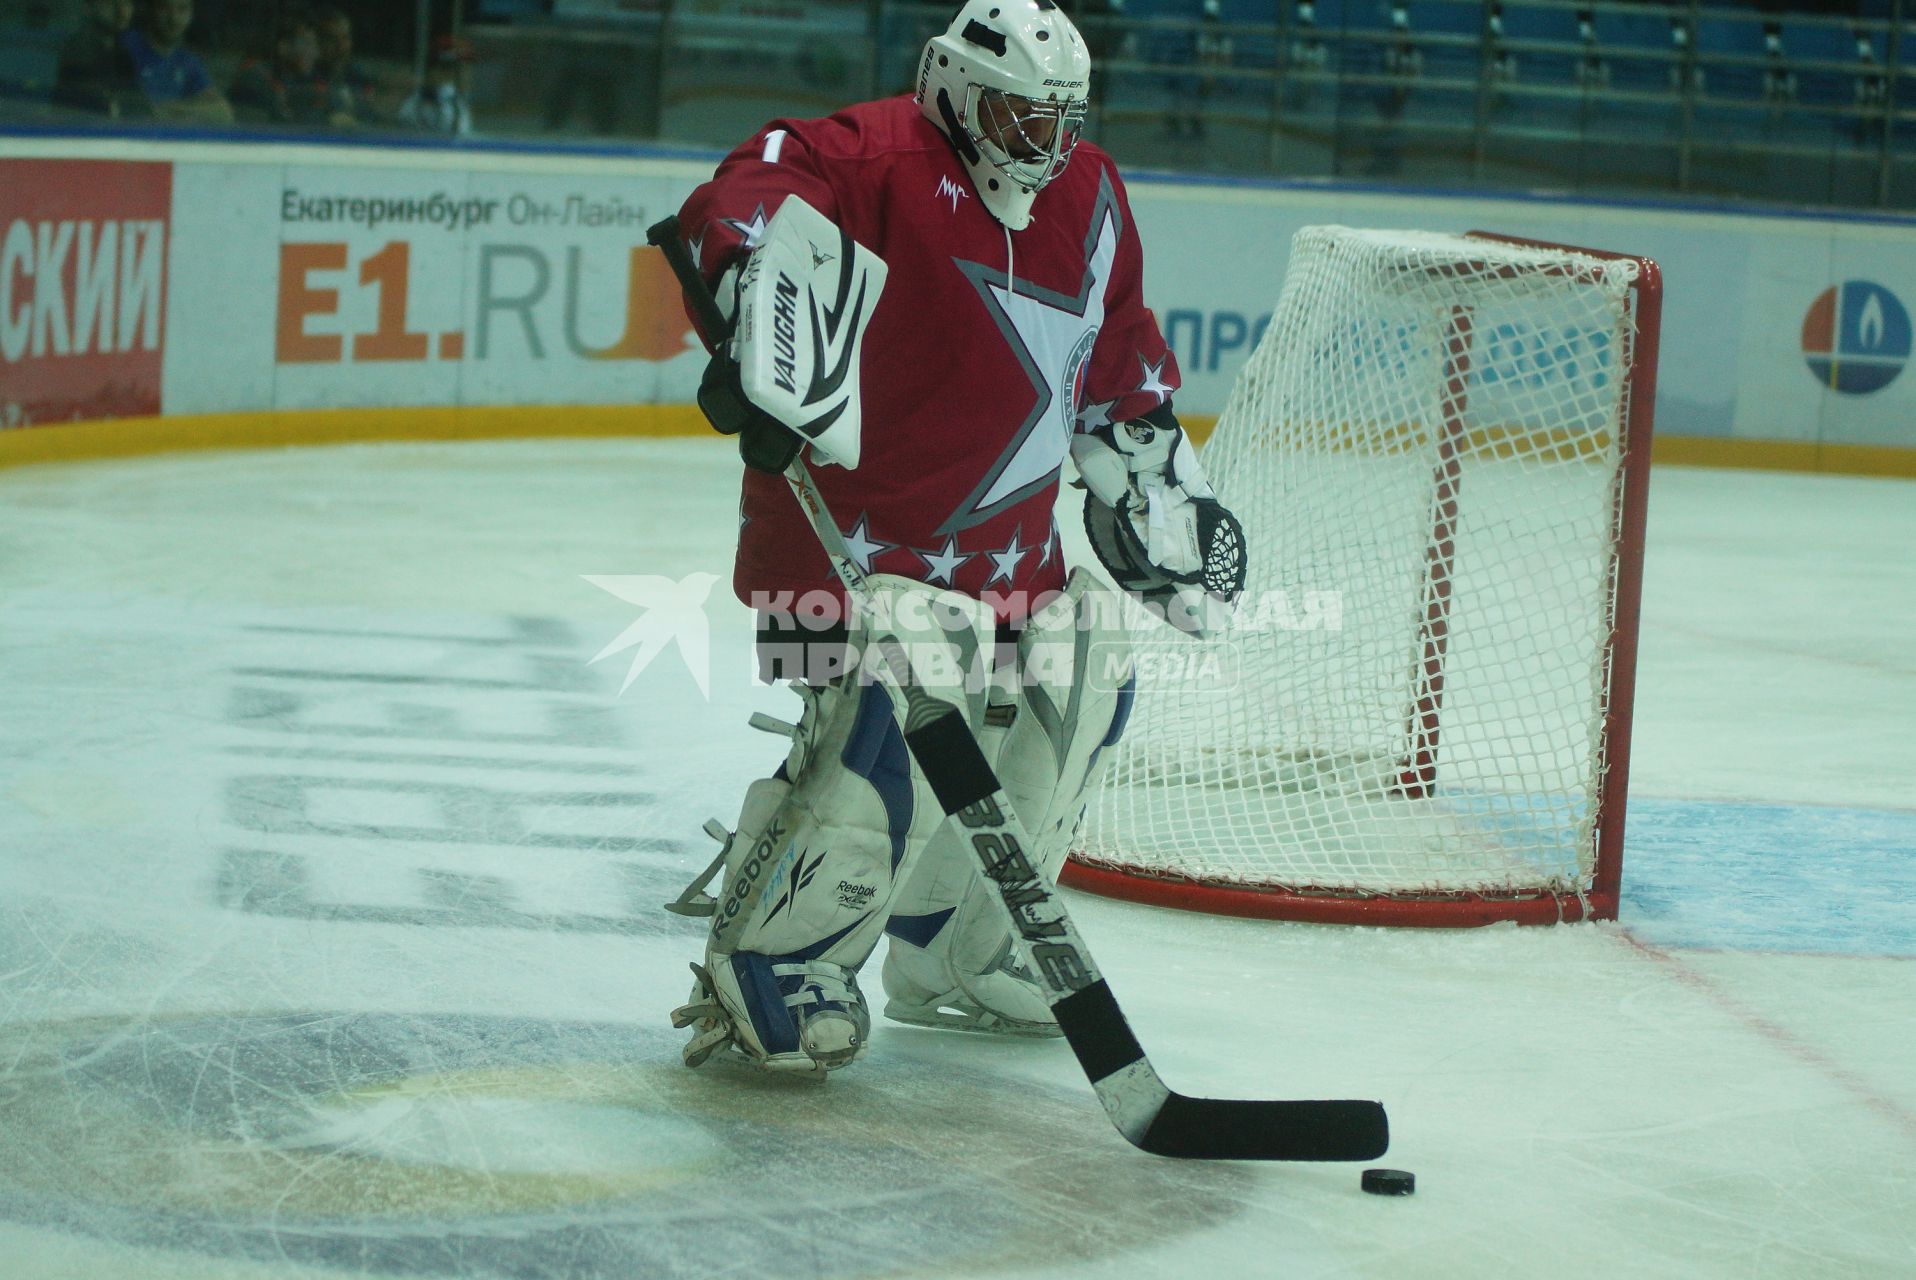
{"points": [[1425, 451]]}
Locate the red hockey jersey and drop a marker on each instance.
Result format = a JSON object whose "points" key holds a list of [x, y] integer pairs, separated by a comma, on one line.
{"points": [[986, 351]]}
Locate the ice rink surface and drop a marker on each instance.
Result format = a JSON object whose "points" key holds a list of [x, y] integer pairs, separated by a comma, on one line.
{"points": [[330, 942]]}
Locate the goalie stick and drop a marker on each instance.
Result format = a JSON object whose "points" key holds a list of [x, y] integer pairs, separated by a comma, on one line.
{"points": [[1147, 1112]]}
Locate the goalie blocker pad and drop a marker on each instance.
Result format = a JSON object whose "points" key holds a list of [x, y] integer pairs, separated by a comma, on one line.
{"points": [[805, 297]]}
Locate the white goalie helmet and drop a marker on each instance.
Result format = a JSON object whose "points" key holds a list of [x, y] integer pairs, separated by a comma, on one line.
{"points": [[1008, 82]]}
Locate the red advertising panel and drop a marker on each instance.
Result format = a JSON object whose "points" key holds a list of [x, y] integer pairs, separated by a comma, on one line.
{"points": [[82, 288]]}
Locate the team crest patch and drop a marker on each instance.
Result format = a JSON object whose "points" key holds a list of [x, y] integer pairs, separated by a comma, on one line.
{"points": [[1076, 366]]}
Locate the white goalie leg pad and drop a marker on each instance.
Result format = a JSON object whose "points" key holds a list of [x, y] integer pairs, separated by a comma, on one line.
{"points": [[819, 850], [950, 960]]}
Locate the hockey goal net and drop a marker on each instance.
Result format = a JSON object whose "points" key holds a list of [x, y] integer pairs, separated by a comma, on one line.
{"points": [[1440, 452]]}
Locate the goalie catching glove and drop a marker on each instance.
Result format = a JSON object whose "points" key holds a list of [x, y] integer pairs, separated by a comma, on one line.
{"points": [[787, 374], [1155, 523]]}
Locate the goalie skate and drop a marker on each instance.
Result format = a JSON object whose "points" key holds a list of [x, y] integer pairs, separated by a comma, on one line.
{"points": [[825, 1023], [924, 990]]}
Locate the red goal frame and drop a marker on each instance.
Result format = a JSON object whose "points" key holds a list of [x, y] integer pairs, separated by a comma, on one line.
{"points": [[1418, 773]]}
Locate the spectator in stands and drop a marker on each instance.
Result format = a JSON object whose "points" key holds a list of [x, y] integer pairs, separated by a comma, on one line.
{"points": [[336, 64], [171, 76], [288, 88], [96, 74], [443, 103]]}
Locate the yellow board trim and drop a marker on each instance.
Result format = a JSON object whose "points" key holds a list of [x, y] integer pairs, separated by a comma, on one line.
{"points": [[1785, 455], [136, 437]]}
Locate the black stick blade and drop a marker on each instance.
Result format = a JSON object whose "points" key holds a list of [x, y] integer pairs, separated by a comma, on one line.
{"points": [[1164, 1123], [1225, 1129]]}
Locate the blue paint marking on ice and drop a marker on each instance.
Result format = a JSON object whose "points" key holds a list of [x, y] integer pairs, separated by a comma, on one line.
{"points": [[1771, 877]]}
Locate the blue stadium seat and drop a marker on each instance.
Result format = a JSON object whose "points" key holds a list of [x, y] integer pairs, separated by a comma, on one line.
{"points": [[1375, 13], [1819, 41], [1168, 44], [1622, 31], [1446, 17], [1638, 52], [1522, 23], [1737, 37], [1252, 37], [1252, 46], [1637, 48], [1246, 12], [1359, 15], [1365, 40], [1327, 15], [1454, 51], [1835, 84], [1718, 37]]}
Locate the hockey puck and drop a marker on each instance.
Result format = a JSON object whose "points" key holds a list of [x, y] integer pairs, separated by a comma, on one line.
{"points": [[1389, 1182]]}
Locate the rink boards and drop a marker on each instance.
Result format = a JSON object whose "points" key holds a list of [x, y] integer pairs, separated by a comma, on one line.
{"points": [[205, 278]]}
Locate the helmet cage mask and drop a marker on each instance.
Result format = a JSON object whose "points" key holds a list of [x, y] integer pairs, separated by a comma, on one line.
{"points": [[1008, 83], [1045, 151]]}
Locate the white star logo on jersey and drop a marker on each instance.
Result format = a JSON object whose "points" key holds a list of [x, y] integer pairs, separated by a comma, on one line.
{"points": [[944, 565], [1048, 332], [863, 546], [1005, 563], [1050, 540], [697, 246], [1153, 379], [1096, 415], [750, 230], [674, 613]]}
